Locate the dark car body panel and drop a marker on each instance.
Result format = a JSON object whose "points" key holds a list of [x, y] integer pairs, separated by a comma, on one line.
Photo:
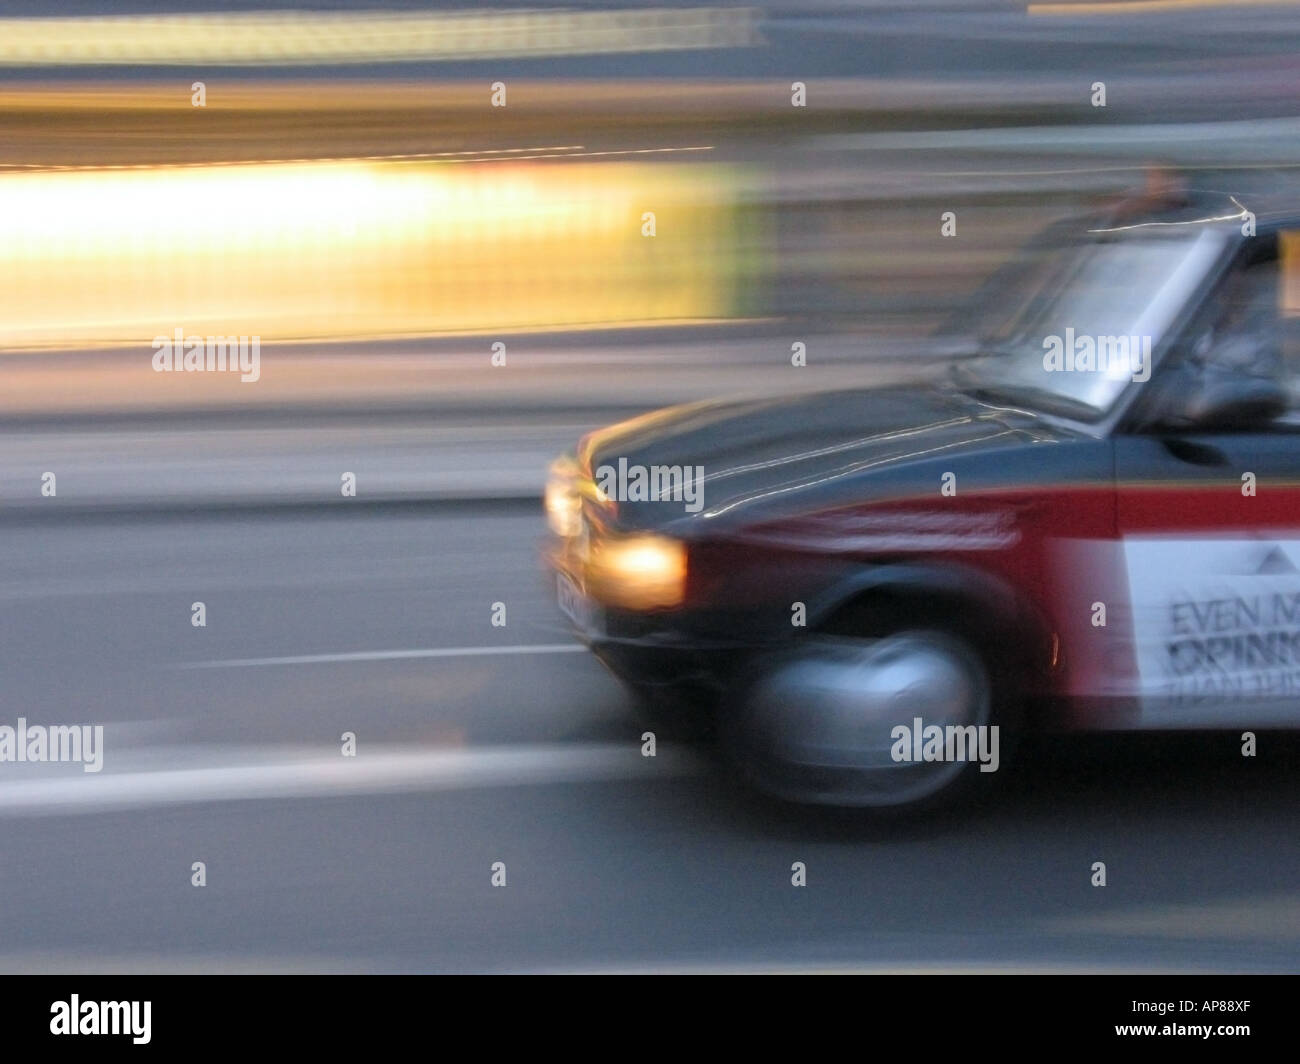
{"points": [[764, 459]]}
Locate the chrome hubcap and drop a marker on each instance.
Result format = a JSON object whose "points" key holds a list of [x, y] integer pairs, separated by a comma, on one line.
{"points": [[835, 710]]}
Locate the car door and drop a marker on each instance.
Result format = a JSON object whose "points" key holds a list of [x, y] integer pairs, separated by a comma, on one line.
{"points": [[1209, 523]]}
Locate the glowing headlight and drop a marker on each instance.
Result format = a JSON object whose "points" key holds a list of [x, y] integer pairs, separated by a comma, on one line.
{"points": [[563, 503], [637, 572]]}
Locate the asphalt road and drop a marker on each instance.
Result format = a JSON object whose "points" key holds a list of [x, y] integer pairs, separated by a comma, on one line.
{"points": [[479, 744]]}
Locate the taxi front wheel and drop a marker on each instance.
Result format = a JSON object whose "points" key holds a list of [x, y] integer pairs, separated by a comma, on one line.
{"points": [[907, 720]]}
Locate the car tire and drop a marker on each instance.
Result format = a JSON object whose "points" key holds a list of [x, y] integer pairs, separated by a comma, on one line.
{"points": [[816, 723]]}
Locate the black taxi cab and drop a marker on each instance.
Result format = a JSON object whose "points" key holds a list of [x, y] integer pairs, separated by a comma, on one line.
{"points": [[1092, 521]]}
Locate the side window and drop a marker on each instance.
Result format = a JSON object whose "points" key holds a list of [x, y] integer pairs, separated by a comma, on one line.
{"points": [[1228, 372], [1241, 333]]}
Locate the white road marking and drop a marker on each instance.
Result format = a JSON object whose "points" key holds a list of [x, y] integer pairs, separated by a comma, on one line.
{"points": [[245, 774], [386, 655]]}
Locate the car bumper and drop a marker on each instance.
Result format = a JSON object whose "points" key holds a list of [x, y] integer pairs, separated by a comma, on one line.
{"points": [[653, 649]]}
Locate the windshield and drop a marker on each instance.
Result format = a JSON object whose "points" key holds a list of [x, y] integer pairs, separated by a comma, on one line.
{"points": [[1086, 324]]}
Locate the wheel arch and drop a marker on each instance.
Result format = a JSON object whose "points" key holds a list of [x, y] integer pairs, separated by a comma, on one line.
{"points": [[1001, 621]]}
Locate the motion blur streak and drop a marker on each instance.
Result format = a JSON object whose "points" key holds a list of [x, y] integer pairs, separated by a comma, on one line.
{"points": [[286, 37], [342, 185], [355, 249], [1142, 7]]}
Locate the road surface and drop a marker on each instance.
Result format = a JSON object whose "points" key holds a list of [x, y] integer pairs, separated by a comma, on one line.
{"points": [[479, 744]]}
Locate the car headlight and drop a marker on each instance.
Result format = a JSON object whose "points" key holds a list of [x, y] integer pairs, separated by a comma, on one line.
{"points": [[638, 572], [563, 503]]}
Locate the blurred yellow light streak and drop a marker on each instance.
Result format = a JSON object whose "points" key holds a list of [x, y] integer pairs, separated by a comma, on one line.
{"points": [[354, 249], [484, 155], [318, 37], [500, 155], [1137, 7]]}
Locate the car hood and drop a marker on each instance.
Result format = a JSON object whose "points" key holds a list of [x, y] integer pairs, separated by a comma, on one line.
{"points": [[762, 458]]}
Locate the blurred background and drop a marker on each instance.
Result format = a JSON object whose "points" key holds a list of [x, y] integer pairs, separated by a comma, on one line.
{"points": [[462, 236]]}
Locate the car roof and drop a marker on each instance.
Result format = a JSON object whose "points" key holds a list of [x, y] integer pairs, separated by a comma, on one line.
{"points": [[1275, 208]]}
